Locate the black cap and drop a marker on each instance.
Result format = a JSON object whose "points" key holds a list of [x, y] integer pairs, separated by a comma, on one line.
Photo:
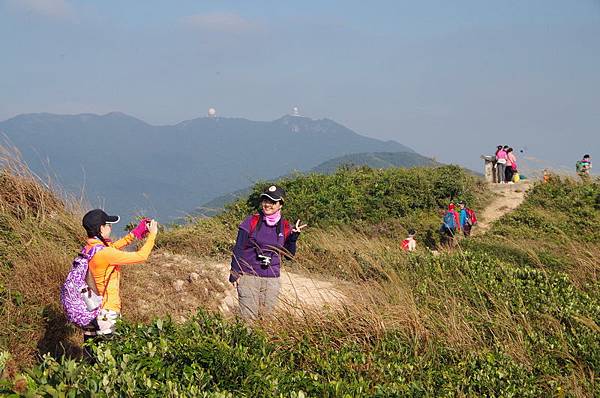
{"points": [[97, 217], [274, 193], [462, 202]]}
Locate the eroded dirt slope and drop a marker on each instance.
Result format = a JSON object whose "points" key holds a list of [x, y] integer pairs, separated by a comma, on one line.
{"points": [[177, 285]]}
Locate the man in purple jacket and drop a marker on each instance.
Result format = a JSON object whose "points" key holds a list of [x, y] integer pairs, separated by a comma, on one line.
{"points": [[256, 261]]}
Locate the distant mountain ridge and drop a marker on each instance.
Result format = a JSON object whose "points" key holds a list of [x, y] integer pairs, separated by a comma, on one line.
{"points": [[129, 166], [376, 160]]}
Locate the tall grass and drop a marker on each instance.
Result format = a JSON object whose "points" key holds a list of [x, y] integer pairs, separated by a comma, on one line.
{"points": [[38, 239]]}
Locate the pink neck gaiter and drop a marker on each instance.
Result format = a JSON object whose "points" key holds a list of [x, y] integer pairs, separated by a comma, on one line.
{"points": [[273, 219]]}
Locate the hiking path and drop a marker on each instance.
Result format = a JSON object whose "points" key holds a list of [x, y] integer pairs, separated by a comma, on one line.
{"points": [[507, 197], [186, 283]]}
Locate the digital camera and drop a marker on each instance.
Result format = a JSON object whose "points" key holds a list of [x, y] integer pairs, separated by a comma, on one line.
{"points": [[265, 261]]}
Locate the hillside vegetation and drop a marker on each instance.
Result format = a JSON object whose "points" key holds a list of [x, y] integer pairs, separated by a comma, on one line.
{"points": [[514, 312], [365, 200], [376, 160], [39, 236]]}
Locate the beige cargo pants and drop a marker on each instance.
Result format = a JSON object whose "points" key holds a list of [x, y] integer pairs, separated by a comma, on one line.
{"points": [[257, 296]]}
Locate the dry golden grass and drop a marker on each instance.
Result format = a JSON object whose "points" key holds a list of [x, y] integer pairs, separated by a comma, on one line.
{"points": [[38, 236], [383, 298], [587, 263], [380, 296]]}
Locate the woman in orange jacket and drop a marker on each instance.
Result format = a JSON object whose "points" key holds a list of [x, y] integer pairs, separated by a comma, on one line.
{"points": [[104, 270]]}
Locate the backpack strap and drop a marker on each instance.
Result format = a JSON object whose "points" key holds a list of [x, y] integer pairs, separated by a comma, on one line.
{"points": [[88, 256], [287, 230], [93, 250], [254, 223]]}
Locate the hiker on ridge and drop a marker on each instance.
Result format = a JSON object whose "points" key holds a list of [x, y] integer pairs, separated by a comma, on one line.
{"points": [[511, 165], [500, 165], [105, 264], [262, 240], [410, 244], [450, 224], [583, 167], [466, 218]]}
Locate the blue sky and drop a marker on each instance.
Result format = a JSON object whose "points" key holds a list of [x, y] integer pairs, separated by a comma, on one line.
{"points": [[449, 78]]}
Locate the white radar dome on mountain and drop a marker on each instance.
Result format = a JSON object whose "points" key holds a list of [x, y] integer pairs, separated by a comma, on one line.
{"points": [[212, 112]]}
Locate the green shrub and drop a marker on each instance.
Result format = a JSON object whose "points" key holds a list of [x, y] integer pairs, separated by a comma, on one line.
{"points": [[207, 357], [558, 209], [369, 200], [365, 194]]}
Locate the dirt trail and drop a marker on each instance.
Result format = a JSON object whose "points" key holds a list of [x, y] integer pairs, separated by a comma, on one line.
{"points": [[507, 197], [176, 285], [297, 293]]}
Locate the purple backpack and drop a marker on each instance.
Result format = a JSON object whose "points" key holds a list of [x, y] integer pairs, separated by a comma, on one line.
{"points": [[71, 291]]}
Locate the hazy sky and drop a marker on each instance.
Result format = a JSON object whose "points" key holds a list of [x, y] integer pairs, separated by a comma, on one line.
{"points": [[449, 78]]}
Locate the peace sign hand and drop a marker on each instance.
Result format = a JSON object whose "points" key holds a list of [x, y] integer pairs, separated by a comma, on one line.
{"points": [[298, 228]]}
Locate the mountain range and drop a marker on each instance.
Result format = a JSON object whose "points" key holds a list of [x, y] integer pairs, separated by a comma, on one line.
{"points": [[131, 167]]}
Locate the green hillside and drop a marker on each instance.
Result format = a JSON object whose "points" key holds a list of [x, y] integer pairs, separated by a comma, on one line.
{"points": [[376, 160], [360, 198], [514, 312]]}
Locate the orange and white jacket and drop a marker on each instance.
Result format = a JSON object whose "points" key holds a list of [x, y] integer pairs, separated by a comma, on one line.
{"points": [[105, 266]]}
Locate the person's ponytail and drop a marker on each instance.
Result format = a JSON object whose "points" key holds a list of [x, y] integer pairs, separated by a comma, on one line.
{"points": [[103, 240], [96, 234]]}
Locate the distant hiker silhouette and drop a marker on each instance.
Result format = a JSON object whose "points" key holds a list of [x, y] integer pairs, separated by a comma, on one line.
{"points": [[467, 218], [500, 164], [511, 166], [583, 167]]}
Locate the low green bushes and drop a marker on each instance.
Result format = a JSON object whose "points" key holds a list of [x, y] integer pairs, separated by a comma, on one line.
{"points": [[558, 210], [371, 195], [491, 328], [209, 357], [369, 200], [556, 228]]}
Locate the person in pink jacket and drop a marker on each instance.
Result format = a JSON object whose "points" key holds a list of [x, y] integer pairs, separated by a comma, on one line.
{"points": [[511, 165], [501, 165]]}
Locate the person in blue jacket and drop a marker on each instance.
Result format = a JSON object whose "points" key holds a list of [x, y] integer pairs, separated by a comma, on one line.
{"points": [[464, 218], [262, 240]]}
